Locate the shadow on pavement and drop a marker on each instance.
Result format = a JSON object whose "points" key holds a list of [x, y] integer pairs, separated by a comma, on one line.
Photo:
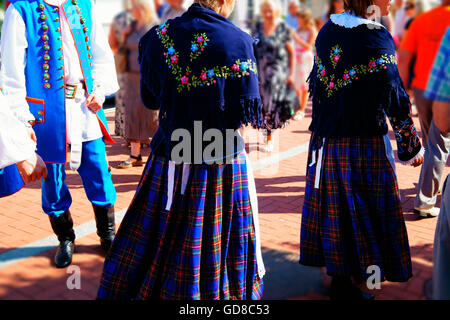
{"points": [[286, 279]]}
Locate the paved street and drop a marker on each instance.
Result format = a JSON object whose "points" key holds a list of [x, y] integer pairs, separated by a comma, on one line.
{"points": [[27, 245]]}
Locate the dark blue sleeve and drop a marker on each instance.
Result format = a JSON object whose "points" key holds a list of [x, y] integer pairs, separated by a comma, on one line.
{"points": [[150, 86]]}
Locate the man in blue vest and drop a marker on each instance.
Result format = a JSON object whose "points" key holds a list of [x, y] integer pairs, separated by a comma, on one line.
{"points": [[57, 68]]}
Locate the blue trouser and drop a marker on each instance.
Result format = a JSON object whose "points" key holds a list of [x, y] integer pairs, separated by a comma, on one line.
{"points": [[94, 172]]}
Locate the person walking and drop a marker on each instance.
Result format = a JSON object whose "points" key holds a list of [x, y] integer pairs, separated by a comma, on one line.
{"points": [[352, 217], [438, 91], [57, 68], [422, 43], [191, 231], [116, 40], [276, 66], [304, 38], [140, 122]]}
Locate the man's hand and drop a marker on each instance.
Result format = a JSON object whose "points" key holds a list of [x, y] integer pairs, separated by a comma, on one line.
{"points": [[33, 169], [93, 103], [418, 162], [32, 134]]}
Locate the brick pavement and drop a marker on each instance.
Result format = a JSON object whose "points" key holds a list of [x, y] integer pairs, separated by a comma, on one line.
{"points": [[280, 191]]}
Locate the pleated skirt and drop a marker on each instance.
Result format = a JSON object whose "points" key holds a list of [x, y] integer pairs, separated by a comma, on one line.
{"points": [[202, 247], [352, 219]]}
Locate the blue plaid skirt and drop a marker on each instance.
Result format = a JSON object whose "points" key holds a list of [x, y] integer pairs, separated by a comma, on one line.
{"points": [[203, 247], [354, 219]]}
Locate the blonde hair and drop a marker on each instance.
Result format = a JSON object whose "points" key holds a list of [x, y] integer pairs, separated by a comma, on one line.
{"points": [[208, 3], [276, 4], [421, 7], [146, 8], [126, 4], [306, 15]]}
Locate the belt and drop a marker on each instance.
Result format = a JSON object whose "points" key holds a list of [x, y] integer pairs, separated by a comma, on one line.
{"points": [[72, 89]]}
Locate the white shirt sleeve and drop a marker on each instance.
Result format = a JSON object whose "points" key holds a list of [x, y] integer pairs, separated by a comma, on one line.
{"points": [[15, 143], [13, 49], [103, 65]]}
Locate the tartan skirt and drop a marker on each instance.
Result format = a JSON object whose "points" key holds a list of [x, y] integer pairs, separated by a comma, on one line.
{"points": [[353, 219], [202, 248]]}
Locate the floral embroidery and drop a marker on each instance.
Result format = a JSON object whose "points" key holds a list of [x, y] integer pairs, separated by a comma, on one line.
{"points": [[207, 77], [198, 45], [335, 55], [405, 134], [333, 83]]}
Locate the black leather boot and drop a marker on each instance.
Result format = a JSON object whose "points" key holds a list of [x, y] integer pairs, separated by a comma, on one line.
{"points": [[63, 228], [106, 227]]}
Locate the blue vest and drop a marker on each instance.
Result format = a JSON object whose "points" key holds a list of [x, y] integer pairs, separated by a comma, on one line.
{"points": [[44, 71], [10, 181]]}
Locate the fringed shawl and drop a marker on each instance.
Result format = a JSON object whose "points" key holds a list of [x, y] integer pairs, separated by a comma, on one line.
{"points": [[199, 67], [355, 83]]}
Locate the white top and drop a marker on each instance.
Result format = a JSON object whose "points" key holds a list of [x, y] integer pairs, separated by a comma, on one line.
{"points": [[349, 20], [15, 143], [400, 21], [12, 76]]}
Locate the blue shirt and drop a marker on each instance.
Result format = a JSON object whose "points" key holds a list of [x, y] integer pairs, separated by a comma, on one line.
{"points": [[438, 87], [292, 21], [162, 9]]}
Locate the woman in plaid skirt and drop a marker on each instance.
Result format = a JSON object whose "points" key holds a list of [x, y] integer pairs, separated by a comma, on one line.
{"points": [[352, 219], [191, 231]]}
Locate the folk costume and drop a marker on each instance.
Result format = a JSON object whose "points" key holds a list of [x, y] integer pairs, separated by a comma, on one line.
{"points": [[352, 215], [15, 146], [192, 231], [54, 55]]}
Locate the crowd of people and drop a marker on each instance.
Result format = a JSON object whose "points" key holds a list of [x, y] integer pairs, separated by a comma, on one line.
{"points": [[191, 230]]}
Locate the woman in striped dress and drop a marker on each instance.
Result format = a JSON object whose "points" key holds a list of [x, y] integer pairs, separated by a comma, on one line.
{"points": [[191, 231], [352, 220]]}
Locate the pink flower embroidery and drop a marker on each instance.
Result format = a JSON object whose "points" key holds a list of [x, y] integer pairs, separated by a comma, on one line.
{"points": [[164, 31], [372, 64], [235, 67], [322, 73], [184, 80], [331, 86], [200, 39], [174, 59], [336, 58], [346, 76], [203, 76]]}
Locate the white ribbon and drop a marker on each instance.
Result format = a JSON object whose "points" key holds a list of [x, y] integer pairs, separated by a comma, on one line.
{"points": [[170, 184], [389, 152], [171, 181], [255, 211], [185, 179], [319, 166]]}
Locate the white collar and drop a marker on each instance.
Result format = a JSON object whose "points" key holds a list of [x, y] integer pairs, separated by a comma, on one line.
{"points": [[349, 20]]}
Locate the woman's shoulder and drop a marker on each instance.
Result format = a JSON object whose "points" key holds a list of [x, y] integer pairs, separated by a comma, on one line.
{"points": [[355, 32]]}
